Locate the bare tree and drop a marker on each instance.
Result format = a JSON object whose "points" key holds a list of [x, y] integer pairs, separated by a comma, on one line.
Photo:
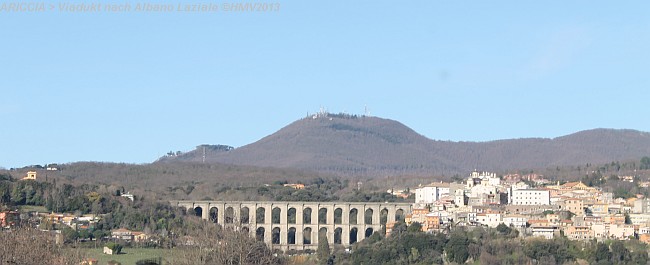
{"points": [[212, 244], [30, 246]]}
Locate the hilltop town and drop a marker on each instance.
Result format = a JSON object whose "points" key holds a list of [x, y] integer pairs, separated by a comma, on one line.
{"points": [[533, 206]]}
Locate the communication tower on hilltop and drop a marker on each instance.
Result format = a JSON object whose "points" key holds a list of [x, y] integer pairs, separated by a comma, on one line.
{"points": [[322, 113]]}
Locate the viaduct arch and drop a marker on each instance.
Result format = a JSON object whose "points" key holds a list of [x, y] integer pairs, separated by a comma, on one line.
{"points": [[300, 225]]}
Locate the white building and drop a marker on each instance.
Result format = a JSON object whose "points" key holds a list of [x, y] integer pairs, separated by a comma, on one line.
{"points": [[620, 231], [641, 219], [644, 230], [641, 206], [431, 193], [544, 231], [494, 181], [459, 198], [483, 178], [482, 189], [426, 195], [530, 197], [515, 220], [489, 219]]}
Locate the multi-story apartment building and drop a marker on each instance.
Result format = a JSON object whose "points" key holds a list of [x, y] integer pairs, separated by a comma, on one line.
{"points": [[489, 219], [530, 197], [574, 205]]}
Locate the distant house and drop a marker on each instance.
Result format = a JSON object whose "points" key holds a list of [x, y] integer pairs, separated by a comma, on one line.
{"points": [[297, 186], [579, 233], [108, 251], [140, 236], [68, 220], [544, 231], [123, 234], [129, 235], [516, 220], [645, 238], [31, 175], [489, 219], [129, 196], [573, 205], [55, 217], [8, 218]]}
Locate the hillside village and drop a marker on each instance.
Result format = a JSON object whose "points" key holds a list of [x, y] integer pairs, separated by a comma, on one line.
{"points": [[533, 206]]}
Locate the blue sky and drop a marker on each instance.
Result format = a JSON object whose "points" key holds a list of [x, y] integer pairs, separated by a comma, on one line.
{"points": [[130, 86]]}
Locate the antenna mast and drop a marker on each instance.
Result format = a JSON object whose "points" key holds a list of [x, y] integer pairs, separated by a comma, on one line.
{"points": [[203, 154]]}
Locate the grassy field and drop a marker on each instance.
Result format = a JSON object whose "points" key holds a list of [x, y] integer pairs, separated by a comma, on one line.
{"points": [[129, 257], [32, 208]]}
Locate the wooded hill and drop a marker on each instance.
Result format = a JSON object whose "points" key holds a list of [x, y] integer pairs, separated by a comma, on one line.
{"points": [[347, 145], [197, 181]]}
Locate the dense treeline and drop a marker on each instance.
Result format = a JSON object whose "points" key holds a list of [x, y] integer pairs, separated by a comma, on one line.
{"points": [[115, 211], [23, 192], [169, 181], [320, 189], [409, 245], [593, 173], [188, 181]]}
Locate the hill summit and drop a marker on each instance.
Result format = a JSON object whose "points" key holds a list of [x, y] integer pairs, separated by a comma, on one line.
{"points": [[371, 146]]}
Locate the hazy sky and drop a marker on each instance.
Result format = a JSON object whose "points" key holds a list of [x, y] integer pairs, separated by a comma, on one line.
{"points": [[130, 86]]}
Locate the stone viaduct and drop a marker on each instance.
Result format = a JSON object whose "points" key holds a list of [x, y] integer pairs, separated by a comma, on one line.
{"points": [[299, 225]]}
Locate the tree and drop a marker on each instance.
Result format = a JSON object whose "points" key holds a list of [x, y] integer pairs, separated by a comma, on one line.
{"points": [[457, 247], [602, 253], [31, 246], [457, 178], [504, 229], [414, 255], [620, 254], [323, 251], [212, 244], [116, 248], [474, 251], [414, 227], [645, 163], [540, 249], [69, 234], [398, 228], [18, 196]]}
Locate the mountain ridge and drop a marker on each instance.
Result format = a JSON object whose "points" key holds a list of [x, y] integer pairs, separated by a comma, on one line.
{"points": [[358, 145]]}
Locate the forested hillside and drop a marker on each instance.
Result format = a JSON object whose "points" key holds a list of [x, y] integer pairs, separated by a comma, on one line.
{"points": [[348, 145], [197, 181]]}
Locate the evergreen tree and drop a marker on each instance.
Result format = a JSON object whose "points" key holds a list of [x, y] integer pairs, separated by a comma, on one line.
{"points": [[457, 247], [323, 251]]}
